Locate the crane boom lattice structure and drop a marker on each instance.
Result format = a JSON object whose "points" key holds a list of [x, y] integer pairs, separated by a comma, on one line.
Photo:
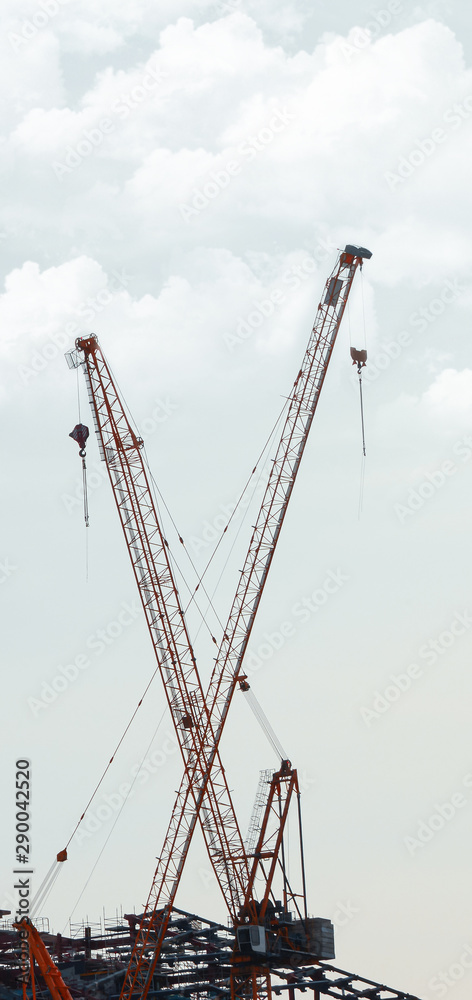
{"points": [[257, 812]]}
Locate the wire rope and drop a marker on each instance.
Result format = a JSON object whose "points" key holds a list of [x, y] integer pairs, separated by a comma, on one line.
{"points": [[363, 459], [264, 723], [117, 817]]}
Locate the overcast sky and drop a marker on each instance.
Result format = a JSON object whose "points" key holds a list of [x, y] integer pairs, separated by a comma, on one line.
{"points": [[177, 178]]}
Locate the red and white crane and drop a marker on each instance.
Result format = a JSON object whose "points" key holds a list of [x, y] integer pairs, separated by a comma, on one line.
{"points": [[199, 717], [260, 930]]}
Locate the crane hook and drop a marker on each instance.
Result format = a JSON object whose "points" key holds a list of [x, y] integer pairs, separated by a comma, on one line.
{"points": [[80, 434], [359, 358]]}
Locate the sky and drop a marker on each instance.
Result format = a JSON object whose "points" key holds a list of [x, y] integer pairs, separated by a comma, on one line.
{"points": [[178, 179]]}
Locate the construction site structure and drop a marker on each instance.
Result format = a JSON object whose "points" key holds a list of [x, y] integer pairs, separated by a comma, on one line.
{"points": [[195, 962]]}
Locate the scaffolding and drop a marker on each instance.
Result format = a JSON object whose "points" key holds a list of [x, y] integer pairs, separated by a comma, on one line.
{"points": [[195, 964]]}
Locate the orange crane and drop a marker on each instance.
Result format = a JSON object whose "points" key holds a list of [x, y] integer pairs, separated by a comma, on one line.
{"points": [[38, 952], [199, 718]]}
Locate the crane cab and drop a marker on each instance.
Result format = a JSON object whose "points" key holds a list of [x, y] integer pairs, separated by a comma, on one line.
{"points": [[252, 939]]}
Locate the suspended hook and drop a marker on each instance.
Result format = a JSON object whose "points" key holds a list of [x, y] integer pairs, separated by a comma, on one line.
{"points": [[359, 358], [80, 434]]}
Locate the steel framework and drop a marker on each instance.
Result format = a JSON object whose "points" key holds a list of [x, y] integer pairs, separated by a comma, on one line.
{"points": [[195, 964]]}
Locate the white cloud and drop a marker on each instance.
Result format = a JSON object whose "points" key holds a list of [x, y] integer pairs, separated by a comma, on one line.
{"points": [[449, 398], [85, 36], [36, 305], [216, 87], [30, 76]]}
